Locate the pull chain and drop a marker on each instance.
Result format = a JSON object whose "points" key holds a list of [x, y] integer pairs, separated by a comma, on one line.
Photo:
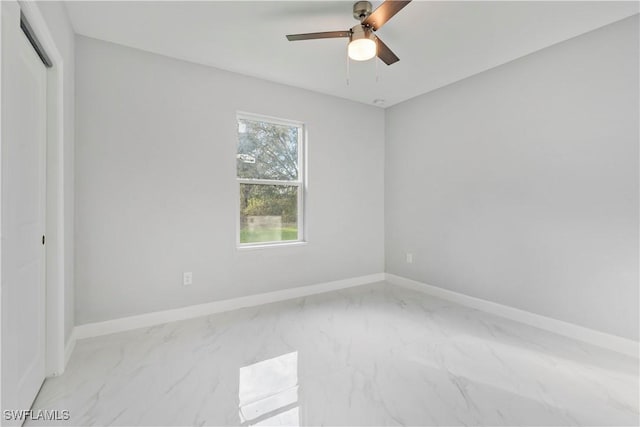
{"points": [[375, 59], [348, 71]]}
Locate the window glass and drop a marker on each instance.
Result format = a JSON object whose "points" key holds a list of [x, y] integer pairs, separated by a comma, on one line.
{"points": [[269, 171], [267, 150]]}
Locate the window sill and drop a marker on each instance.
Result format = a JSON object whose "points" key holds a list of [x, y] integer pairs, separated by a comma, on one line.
{"points": [[270, 245]]}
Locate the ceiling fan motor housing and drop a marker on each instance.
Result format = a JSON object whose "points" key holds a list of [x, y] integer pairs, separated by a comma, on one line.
{"points": [[361, 32], [361, 10]]}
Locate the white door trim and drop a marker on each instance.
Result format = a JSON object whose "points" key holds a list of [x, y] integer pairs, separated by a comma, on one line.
{"points": [[55, 272]]}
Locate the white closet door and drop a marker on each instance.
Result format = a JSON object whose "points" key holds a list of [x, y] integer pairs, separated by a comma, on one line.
{"points": [[23, 150]]}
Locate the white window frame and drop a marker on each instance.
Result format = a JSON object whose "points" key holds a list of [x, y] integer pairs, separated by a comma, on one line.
{"points": [[300, 182]]}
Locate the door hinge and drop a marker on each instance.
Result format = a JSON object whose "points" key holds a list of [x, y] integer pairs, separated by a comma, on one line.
{"points": [[43, 239]]}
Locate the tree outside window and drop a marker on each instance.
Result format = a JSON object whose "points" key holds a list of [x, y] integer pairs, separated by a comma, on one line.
{"points": [[269, 170]]}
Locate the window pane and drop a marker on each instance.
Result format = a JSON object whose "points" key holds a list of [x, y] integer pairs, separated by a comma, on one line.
{"points": [[268, 213], [267, 150]]}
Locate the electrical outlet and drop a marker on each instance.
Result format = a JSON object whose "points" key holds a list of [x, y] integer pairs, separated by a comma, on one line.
{"points": [[409, 258], [187, 278]]}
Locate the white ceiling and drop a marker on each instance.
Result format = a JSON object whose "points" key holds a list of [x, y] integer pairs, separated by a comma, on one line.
{"points": [[438, 42]]}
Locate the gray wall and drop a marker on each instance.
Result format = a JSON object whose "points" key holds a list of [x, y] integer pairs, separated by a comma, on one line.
{"points": [[520, 185], [157, 193]]}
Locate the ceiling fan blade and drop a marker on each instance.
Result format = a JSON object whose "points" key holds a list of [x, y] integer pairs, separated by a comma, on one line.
{"points": [[384, 53], [324, 35], [384, 12]]}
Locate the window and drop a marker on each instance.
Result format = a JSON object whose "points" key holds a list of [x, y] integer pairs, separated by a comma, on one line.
{"points": [[270, 176]]}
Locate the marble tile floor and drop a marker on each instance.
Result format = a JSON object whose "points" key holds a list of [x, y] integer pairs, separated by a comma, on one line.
{"points": [[372, 355]]}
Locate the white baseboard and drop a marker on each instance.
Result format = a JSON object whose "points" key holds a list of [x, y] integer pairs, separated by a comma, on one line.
{"points": [[570, 330], [159, 317], [590, 336]]}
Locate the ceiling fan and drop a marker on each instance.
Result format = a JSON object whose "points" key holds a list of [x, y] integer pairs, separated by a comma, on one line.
{"points": [[363, 43]]}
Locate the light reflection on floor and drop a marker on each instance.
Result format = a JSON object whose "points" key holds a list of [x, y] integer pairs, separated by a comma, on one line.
{"points": [[268, 392]]}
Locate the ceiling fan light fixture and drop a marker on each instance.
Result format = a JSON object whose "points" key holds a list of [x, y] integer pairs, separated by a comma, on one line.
{"points": [[362, 46]]}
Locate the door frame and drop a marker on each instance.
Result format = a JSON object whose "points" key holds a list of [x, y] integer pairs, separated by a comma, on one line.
{"points": [[56, 274]]}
